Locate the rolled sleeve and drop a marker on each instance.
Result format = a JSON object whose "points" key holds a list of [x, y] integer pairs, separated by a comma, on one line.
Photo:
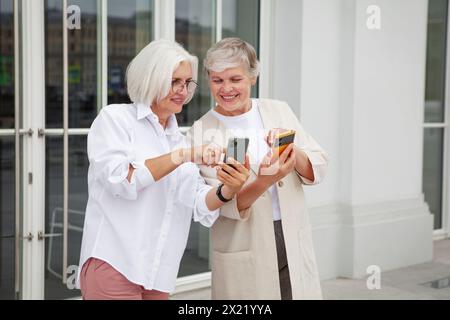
{"points": [[317, 156], [110, 155], [201, 212], [319, 163], [141, 175], [231, 211]]}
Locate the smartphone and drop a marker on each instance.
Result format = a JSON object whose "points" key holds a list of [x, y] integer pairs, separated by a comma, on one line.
{"points": [[237, 149], [283, 140]]}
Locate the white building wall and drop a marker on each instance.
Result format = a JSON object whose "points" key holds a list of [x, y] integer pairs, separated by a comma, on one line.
{"points": [[360, 93]]}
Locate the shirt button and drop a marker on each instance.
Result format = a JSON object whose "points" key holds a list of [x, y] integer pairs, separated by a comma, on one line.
{"points": [[280, 184]]}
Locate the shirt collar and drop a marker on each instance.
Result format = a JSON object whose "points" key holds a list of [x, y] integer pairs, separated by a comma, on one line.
{"points": [[144, 111], [172, 125]]}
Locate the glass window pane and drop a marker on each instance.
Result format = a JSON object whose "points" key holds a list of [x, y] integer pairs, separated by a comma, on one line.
{"points": [[195, 30], [433, 172], [196, 256], [53, 208], [241, 19], [7, 218], [53, 64], [78, 196], [6, 65], [436, 55], [83, 66], [130, 28]]}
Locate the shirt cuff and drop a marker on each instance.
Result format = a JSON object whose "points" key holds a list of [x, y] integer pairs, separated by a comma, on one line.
{"points": [[202, 213], [141, 175]]}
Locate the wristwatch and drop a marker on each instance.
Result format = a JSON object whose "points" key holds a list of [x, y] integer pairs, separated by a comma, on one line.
{"points": [[219, 194]]}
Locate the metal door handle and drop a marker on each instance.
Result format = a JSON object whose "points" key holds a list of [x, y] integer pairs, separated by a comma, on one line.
{"points": [[42, 236]]}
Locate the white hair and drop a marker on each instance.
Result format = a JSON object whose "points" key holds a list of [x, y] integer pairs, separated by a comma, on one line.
{"points": [[231, 53], [149, 74]]}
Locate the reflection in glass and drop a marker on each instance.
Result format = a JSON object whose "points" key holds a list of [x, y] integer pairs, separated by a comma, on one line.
{"points": [[7, 218], [196, 256], [436, 55], [433, 172], [6, 65], [241, 19], [83, 66], [53, 64], [78, 193], [130, 28], [195, 30]]}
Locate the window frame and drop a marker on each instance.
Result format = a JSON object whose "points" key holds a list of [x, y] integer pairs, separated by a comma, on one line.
{"points": [[444, 231]]}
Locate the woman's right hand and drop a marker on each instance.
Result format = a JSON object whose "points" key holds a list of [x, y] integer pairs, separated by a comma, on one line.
{"points": [[275, 167], [234, 174], [208, 154]]}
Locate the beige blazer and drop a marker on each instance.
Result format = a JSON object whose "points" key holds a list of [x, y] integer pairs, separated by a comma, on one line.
{"points": [[244, 257]]}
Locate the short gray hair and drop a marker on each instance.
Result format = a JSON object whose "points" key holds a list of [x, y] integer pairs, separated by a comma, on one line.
{"points": [[149, 74], [231, 53]]}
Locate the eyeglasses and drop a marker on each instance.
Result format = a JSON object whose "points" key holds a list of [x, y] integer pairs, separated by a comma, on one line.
{"points": [[178, 85]]}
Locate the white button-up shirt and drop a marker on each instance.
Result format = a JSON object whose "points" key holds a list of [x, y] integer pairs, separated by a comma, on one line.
{"points": [[140, 227]]}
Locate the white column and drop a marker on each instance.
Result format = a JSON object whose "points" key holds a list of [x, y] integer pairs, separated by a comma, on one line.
{"points": [[164, 16], [361, 97], [266, 54], [33, 103]]}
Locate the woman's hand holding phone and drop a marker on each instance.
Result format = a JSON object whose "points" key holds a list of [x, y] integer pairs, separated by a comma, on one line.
{"points": [[234, 177], [275, 167], [273, 133]]}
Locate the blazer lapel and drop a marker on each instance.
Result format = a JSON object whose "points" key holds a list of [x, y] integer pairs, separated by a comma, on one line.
{"points": [[267, 118]]}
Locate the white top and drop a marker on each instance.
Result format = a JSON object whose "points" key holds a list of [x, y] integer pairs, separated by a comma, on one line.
{"points": [[250, 125], [140, 227]]}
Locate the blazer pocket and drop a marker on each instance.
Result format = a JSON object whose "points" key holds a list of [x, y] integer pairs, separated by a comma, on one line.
{"points": [[233, 276]]}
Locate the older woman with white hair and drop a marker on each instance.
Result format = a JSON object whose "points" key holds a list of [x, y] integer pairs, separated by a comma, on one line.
{"points": [[262, 244], [144, 185]]}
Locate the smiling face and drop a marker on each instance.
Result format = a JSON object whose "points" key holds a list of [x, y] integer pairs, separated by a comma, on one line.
{"points": [[231, 89], [174, 101]]}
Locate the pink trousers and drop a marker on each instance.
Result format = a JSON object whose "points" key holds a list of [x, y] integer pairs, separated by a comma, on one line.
{"points": [[100, 281]]}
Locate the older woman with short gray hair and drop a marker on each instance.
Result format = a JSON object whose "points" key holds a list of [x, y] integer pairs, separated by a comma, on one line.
{"points": [[262, 243]]}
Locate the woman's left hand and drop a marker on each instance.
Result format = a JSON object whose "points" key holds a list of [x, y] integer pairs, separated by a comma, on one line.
{"points": [[234, 177], [270, 139]]}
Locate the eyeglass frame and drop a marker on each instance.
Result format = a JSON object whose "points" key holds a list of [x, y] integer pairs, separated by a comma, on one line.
{"points": [[183, 85]]}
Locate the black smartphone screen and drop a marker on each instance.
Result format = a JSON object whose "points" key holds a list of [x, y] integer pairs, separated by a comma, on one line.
{"points": [[237, 148]]}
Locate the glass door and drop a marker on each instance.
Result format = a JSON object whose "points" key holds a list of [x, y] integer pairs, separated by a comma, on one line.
{"points": [[10, 241], [85, 70]]}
